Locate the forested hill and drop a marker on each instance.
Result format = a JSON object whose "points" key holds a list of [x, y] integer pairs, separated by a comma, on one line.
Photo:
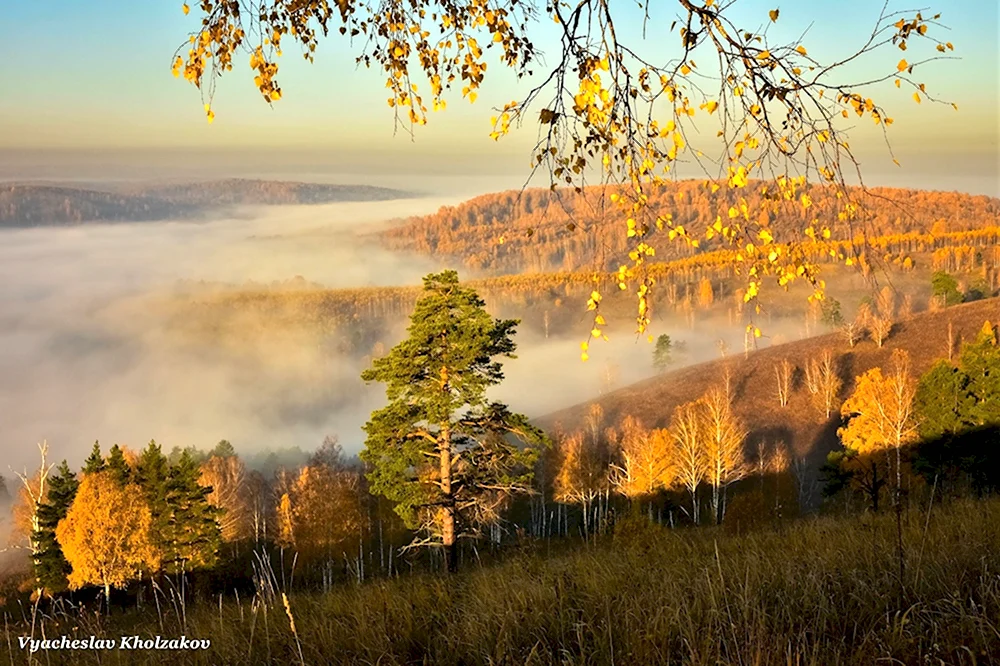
{"points": [[29, 205], [237, 191], [800, 425], [541, 230]]}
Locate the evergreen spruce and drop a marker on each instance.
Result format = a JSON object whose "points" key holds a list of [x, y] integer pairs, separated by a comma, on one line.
{"points": [[980, 361], [943, 401], [192, 534], [118, 466], [663, 353], [952, 400], [95, 461], [152, 473], [223, 450], [447, 456], [51, 567]]}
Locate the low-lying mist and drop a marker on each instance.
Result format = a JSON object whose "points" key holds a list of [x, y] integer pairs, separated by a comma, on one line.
{"points": [[80, 360], [98, 341]]}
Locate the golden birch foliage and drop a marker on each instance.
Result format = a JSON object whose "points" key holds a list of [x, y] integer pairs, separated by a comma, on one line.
{"points": [[687, 430], [286, 522], [325, 509], [227, 477], [706, 295], [606, 106], [646, 461], [723, 440], [581, 474], [23, 512], [105, 535], [827, 382], [881, 409]]}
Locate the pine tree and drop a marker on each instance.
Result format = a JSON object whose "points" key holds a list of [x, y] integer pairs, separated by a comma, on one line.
{"points": [[945, 288], [192, 535], [50, 565], [95, 461], [223, 450], [662, 353], [980, 361], [943, 401], [151, 476], [118, 466], [447, 472]]}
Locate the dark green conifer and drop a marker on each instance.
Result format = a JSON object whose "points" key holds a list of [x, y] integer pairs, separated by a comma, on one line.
{"points": [[448, 457], [51, 567], [118, 466], [980, 361], [95, 461], [192, 536], [943, 401]]}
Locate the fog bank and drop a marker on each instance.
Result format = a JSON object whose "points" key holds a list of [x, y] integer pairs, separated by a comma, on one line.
{"points": [[98, 343]]}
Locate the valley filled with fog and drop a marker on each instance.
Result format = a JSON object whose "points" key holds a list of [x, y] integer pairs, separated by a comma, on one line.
{"points": [[96, 341]]}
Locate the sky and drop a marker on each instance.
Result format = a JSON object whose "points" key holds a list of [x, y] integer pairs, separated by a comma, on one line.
{"points": [[97, 84]]}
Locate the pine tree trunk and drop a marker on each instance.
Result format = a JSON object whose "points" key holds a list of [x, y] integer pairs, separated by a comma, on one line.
{"points": [[448, 507]]}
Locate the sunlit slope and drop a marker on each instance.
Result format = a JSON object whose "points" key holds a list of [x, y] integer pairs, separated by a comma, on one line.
{"points": [[800, 424], [541, 230]]}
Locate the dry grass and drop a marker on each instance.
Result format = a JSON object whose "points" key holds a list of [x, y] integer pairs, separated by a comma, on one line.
{"points": [[820, 592]]}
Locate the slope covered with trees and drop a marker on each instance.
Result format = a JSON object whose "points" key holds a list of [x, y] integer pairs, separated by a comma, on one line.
{"points": [[241, 191], [541, 230], [787, 397], [28, 205]]}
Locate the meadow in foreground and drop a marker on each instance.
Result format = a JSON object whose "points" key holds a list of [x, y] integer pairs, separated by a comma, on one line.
{"points": [[820, 591]]}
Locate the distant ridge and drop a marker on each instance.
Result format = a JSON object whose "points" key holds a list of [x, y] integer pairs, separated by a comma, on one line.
{"points": [[34, 205], [540, 230]]}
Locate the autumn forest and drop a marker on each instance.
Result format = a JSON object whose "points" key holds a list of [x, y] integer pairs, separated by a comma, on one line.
{"points": [[879, 411], [711, 376]]}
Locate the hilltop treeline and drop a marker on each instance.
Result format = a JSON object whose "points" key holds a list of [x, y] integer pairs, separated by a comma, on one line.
{"points": [[37, 206], [538, 230], [240, 191], [45, 205]]}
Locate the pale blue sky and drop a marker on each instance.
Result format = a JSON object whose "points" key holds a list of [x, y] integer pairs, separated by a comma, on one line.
{"points": [[97, 75]]}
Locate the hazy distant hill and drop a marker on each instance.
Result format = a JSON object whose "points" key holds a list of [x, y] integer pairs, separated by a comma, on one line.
{"points": [[237, 191], [541, 230], [31, 205]]}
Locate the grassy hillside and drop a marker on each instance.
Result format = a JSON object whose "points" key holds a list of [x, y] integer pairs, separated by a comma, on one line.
{"points": [[821, 592], [800, 425]]}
